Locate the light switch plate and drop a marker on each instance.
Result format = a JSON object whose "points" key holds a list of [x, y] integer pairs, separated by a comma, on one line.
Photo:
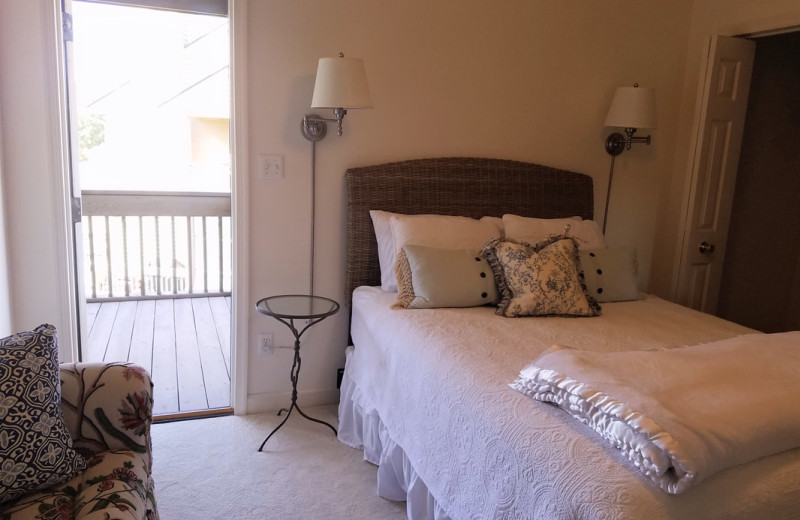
{"points": [[270, 166]]}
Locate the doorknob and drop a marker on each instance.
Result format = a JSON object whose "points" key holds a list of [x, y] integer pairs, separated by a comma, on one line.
{"points": [[707, 248]]}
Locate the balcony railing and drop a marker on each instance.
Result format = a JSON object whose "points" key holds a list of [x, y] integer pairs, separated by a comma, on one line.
{"points": [[145, 245]]}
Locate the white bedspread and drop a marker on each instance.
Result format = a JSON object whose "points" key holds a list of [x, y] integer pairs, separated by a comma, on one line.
{"points": [[438, 381], [680, 414]]}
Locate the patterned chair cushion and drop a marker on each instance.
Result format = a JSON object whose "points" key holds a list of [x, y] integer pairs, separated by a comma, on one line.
{"points": [[115, 481], [107, 410], [35, 447]]}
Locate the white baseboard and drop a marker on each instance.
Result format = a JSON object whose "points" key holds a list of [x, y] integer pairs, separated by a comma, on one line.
{"points": [[274, 401]]}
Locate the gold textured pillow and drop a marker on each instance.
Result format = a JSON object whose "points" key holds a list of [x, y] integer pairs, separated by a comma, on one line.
{"points": [[539, 280], [445, 278]]}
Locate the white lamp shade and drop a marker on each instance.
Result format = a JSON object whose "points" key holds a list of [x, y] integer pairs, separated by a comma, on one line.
{"points": [[633, 107], [341, 83]]}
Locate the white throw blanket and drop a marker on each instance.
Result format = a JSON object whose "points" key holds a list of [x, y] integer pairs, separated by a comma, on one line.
{"points": [[680, 414]]}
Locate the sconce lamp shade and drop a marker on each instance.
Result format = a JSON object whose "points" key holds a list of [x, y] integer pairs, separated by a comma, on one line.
{"points": [[341, 83], [633, 107]]}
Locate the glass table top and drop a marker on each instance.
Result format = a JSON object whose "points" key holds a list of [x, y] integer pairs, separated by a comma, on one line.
{"points": [[297, 306]]}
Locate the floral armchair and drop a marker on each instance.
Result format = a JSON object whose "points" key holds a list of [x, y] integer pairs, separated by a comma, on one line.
{"points": [[107, 410]]}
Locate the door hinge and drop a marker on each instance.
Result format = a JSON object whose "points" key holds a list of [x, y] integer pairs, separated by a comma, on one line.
{"points": [[66, 26], [76, 210]]}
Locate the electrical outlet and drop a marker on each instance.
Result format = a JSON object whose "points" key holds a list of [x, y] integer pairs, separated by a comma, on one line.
{"points": [[270, 166], [265, 344]]}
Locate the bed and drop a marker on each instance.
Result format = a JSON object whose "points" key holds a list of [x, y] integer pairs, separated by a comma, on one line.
{"points": [[426, 393]]}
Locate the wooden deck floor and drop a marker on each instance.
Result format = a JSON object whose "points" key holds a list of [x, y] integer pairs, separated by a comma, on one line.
{"points": [[184, 343]]}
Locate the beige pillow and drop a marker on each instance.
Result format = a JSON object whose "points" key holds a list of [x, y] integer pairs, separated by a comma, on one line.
{"points": [[441, 231], [445, 278], [611, 275], [533, 230], [539, 280]]}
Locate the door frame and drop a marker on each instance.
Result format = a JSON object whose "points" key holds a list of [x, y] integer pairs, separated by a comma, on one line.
{"points": [[237, 16], [752, 29], [237, 19], [72, 189]]}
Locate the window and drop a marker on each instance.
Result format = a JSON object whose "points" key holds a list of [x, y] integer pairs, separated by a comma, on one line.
{"points": [[153, 93]]}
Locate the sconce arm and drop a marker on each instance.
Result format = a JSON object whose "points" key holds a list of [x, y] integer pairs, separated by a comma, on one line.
{"points": [[616, 143], [315, 128]]}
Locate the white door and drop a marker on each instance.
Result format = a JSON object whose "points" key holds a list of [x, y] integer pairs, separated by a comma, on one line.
{"points": [[74, 180], [724, 105]]}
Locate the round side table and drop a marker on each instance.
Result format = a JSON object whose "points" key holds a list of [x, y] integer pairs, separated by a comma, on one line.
{"points": [[286, 309]]}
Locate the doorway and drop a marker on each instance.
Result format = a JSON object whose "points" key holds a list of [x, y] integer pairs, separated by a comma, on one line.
{"points": [[152, 89], [761, 272]]}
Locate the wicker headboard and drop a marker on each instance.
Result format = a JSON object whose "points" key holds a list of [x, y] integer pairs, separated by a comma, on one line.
{"points": [[470, 187]]}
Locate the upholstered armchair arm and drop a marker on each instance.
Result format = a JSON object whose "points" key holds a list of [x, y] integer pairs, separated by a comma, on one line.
{"points": [[107, 406]]}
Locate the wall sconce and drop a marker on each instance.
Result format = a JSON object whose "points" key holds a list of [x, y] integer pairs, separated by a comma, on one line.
{"points": [[632, 108], [341, 85]]}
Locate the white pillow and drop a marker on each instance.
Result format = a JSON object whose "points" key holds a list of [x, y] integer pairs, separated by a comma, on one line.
{"points": [[440, 231], [533, 230], [386, 250], [496, 221], [423, 226]]}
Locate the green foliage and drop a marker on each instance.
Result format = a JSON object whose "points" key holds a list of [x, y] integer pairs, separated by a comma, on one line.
{"points": [[91, 132]]}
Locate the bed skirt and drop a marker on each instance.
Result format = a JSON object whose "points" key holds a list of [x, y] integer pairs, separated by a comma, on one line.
{"points": [[360, 427]]}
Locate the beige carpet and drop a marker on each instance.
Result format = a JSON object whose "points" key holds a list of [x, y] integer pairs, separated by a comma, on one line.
{"points": [[211, 469]]}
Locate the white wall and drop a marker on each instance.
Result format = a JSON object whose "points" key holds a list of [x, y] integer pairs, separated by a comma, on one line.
{"points": [[36, 238], [5, 290], [709, 17], [521, 79]]}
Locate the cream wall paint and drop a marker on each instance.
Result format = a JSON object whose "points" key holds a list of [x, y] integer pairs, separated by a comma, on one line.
{"points": [[709, 17], [36, 240], [526, 80]]}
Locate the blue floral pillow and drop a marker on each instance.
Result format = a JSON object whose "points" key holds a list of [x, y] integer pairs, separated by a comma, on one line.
{"points": [[539, 280], [35, 446]]}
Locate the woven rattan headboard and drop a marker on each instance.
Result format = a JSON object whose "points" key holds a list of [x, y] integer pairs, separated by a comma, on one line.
{"points": [[470, 187]]}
